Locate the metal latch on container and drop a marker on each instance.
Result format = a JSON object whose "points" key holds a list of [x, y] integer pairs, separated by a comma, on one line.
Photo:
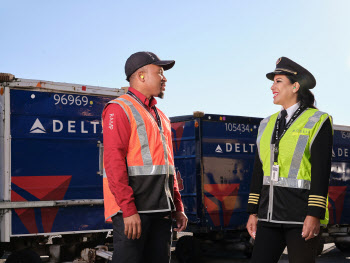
{"points": [[100, 146]]}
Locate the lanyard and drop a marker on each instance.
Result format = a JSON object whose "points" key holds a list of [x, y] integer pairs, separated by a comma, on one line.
{"points": [[154, 108], [278, 137]]}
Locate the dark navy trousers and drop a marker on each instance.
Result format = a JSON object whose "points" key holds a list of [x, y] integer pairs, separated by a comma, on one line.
{"points": [[152, 247], [270, 242]]}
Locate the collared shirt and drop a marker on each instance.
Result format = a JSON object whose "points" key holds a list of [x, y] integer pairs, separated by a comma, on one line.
{"points": [[291, 110], [149, 103], [116, 136]]}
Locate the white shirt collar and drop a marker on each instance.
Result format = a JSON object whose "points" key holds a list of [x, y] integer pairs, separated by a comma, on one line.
{"points": [[291, 110]]}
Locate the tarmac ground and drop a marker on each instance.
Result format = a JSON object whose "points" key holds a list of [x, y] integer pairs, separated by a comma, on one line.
{"points": [[330, 254]]}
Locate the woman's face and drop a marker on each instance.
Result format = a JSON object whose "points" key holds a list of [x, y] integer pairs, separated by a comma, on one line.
{"points": [[283, 92]]}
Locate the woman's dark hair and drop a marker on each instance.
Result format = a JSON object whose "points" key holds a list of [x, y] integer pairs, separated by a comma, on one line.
{"points": [[305, 96]]}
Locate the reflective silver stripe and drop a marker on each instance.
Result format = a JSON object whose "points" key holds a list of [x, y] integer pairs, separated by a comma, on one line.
{"points": [[297, 156], [270, 208], [154, 211], [286, 222], [301, 144], [261, 130], [141, 132], [104, 173], [164, 142], [288, 182], [167, 164], [150, 170], [262, 127], [272, 156], [127, 115], [313, 119], [317, 133], [120, 211], [141, 212]]}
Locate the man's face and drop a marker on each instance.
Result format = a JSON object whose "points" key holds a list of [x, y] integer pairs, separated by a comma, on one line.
{"points": [[155, 81]]}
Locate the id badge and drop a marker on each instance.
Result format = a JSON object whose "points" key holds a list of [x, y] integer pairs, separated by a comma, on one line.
{"points": [[275, 172]]}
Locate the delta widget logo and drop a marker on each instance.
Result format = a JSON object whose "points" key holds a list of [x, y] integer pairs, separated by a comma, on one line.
{"points": [[38, 188], [218, 149], [37, 127]]}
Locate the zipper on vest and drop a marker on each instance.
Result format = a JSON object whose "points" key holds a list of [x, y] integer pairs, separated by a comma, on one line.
{"points": [[161, 132], [167, 190], [269, 213]]}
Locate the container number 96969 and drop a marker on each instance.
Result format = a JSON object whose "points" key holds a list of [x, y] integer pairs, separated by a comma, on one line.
{"points": [[71, 99], [237, 127]]}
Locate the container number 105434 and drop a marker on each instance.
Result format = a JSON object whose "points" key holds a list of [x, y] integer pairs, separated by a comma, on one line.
{"points": [[345, 135], [237, 127]]}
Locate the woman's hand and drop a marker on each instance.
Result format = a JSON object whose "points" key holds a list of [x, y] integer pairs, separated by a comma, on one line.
{"points": [[311, 227], [252, 225]]}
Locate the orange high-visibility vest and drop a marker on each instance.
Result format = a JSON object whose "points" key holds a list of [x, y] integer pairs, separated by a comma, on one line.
{"points": [[150, 161]]}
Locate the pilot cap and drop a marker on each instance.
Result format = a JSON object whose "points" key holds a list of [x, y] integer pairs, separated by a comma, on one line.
{"points": [[286, 66]]}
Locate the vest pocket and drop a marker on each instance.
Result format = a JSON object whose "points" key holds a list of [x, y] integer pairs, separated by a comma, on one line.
{"points": [[149, 192], [289, 204], [264, 202]]}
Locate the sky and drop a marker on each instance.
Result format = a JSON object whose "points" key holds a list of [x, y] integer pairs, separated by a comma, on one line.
{"points": [[223, 48]]}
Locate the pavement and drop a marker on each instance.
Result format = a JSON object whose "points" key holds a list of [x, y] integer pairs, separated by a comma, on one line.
{"points": [[330, 254]]}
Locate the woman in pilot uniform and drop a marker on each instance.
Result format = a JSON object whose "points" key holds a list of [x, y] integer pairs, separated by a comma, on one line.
{"points": [[289, 189]]}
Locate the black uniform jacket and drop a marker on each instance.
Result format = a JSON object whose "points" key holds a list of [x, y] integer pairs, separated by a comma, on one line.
{"points": [[288, 210]]}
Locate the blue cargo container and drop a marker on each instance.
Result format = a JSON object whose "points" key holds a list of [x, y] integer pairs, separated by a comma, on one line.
{"points": [[214, 158], [50, 168]]}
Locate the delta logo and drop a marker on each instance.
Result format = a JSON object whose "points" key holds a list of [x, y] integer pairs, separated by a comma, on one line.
{"points": [[37, 127], [38, 188], [218, 149], [235, 148], [301, 132], [220, 202], [69, 126]]}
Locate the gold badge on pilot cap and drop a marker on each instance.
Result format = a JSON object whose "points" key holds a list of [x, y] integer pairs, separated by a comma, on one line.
{"points": [[278, 61]]}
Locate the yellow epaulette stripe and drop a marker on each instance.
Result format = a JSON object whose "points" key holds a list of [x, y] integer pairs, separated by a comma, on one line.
{"points": [[316, 202], [252, 202], [317, 205], [254, 198], [318, 196], [254, 194]]}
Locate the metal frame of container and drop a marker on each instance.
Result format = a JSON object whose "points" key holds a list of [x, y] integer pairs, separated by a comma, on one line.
{"points": [[5, 160]]}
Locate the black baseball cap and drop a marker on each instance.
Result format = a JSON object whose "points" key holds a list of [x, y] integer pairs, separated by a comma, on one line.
{"points": [[143, 58], [286, 66]]}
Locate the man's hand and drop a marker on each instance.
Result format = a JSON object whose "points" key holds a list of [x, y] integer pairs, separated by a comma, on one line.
{"points": [[132, 226], [311, 227], [252, 225], [181, 221]]}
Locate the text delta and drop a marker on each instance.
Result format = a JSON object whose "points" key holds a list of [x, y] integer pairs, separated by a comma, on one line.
{"points": [[57, 126], [240, 147], [343, 152]]}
